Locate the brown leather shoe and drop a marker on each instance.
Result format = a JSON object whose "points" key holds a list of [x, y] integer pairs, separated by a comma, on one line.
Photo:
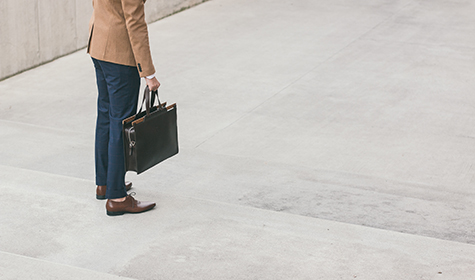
{"points": [[129, 205], [101, 190]]}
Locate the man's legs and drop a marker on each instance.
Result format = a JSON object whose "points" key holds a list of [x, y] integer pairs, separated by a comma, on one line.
{"points": [[118, 87]]}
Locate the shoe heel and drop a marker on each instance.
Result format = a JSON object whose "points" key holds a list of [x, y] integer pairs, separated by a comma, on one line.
{"points": [[109, 213], [100, 197]]}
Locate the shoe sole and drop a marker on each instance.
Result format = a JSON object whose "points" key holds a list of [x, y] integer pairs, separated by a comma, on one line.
{"points": [[114, 213], [110, 213]]}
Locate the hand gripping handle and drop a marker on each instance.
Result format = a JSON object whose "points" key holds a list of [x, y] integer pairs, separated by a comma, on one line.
{"points": [[149, 100]]}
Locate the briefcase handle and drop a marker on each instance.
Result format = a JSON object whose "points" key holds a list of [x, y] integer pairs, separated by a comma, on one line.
{"points": [[149, 100]]}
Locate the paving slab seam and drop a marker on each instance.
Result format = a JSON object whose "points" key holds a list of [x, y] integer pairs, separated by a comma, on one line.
{"points": [[249, 112], [360, 176], [61, 266], [452, 46], [50, 174], [43, 127]]}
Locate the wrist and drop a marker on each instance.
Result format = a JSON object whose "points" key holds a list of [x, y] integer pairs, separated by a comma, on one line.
{"points": [[151, 76]]}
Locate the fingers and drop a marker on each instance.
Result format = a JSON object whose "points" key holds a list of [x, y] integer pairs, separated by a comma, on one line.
{"points": [[153, 84]]}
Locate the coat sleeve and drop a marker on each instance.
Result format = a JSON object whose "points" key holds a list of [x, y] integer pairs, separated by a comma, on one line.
{"points": [[134, 14]]}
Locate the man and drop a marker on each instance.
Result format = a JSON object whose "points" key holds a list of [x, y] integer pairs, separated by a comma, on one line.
{"points": [[119, 47]]}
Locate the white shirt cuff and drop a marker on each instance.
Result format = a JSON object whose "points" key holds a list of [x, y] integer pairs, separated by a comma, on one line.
{"points": [[151, 76]]}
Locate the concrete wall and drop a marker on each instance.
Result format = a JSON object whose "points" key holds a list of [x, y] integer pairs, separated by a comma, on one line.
{"points": [[33, 32]]}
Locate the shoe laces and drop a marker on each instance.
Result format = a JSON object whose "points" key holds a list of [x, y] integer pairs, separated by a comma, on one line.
{"points": [[134, 201]]}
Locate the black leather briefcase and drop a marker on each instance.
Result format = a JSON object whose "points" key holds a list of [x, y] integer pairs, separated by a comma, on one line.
{"points": [[150, 137]]}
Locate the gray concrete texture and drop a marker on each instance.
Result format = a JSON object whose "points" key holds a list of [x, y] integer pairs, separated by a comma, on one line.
{"points": [[33, 32], [319, 140]]}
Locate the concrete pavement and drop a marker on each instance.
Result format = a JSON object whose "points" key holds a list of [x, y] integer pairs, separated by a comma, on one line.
{"points": [[319, 140]]}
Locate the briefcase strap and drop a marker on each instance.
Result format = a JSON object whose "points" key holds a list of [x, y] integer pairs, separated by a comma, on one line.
{"points": [[149, 100]]}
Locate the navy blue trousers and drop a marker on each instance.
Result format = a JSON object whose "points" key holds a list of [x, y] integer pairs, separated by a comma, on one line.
{"points": [[118, 87]]}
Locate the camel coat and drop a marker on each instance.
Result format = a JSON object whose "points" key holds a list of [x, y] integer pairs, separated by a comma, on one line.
{"points": [[118, 33]]}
